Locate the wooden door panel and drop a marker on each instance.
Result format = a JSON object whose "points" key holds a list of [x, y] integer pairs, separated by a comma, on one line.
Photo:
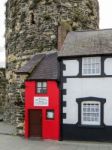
{"points": [[35, 123]]}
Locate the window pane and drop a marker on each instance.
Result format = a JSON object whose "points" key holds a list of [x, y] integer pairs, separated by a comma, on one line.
{"points": [[44, 84], [50, 114], [44, 90], [39, 84], [38, 90], [42, 87], [91, 66], [91, 113]]}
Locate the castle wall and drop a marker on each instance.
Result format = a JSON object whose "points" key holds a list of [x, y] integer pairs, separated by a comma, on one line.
{"points": [[2, 92]]}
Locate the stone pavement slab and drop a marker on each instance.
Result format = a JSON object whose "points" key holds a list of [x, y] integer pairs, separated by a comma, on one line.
{"points": [[8, 142], [7, 129]]}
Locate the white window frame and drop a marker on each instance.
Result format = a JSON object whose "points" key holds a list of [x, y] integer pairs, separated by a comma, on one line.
{"points": [[41, 87], [91, 120], [91, 66]]}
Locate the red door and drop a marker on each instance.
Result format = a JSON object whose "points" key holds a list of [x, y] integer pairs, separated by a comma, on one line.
{"points": [[35, 123]]}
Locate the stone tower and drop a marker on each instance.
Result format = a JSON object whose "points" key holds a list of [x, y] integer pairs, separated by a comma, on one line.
{"points": [[31, 27]]}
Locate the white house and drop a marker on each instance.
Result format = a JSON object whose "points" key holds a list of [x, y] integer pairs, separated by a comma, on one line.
{"points": [[86, 85]]}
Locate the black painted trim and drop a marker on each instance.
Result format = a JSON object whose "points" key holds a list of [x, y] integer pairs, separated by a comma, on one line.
{"points": [[102, 75], [64, 103], [80, 64], [73, 132], [61, 100], [64, 115], [64, 80], [60, 58], [103, 61], [101, 100], [64, 67], [102, 66], [64, 91], [80, 67]]}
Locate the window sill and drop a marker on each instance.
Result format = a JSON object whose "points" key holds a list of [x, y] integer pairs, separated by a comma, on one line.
{"points": [[95, 75], [91, 74], [41, 93]]}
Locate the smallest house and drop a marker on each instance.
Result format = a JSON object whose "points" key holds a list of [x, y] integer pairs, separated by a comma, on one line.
{"points": [[42, 102], [86, 81]]}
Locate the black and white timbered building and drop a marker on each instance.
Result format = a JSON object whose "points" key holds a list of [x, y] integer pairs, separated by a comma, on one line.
{"points": [[86, 85]]}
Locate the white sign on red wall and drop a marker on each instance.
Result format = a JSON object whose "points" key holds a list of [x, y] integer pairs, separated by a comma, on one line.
{"points": [[41, 101]]}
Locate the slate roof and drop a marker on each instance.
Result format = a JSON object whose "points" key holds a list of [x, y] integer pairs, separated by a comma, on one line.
{"points": [[87, 43], [28, 67], [42, 67]]}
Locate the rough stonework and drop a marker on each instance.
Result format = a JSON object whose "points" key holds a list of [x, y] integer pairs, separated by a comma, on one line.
{"points": [[2, 92], [31, 27]]}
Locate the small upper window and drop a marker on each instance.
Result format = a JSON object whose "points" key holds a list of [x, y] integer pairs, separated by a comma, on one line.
{"points": [[41, 87], [91, 66]]}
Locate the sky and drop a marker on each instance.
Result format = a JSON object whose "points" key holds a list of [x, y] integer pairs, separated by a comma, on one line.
{"points": [[2, 32], [105, 22]]}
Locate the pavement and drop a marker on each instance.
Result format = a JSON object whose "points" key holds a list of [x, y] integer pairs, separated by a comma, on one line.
{"points": [[7, 129], [8, 141]]}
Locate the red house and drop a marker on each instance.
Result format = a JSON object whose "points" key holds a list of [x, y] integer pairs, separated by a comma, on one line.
{"points": [[42, 97]]}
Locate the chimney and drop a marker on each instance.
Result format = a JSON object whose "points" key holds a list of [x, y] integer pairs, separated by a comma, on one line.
{"points": [[63, 29]]}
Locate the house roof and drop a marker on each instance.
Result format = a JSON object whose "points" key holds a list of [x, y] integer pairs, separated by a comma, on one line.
{"points": [[30, 65], [42, 67], [87, 43]]}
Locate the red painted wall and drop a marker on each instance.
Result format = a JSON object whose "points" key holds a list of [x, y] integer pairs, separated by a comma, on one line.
{"points": [[50, 128]]}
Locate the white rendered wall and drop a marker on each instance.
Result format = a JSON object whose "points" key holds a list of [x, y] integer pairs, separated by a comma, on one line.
{"points": [[108, 66], [72, 67], [87, 87]]}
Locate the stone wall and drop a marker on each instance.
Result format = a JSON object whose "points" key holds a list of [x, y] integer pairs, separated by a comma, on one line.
{"points": [[2, 92], [31, 27]]}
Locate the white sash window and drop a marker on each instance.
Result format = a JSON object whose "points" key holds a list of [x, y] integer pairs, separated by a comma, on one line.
{"points": [[90, 113], [41, 87], [91, 66]]}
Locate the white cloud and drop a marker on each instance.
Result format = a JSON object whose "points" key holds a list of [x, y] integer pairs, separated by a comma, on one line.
{"points": [[105, 13], [2, 22], [2, 58], [2, 64]]}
